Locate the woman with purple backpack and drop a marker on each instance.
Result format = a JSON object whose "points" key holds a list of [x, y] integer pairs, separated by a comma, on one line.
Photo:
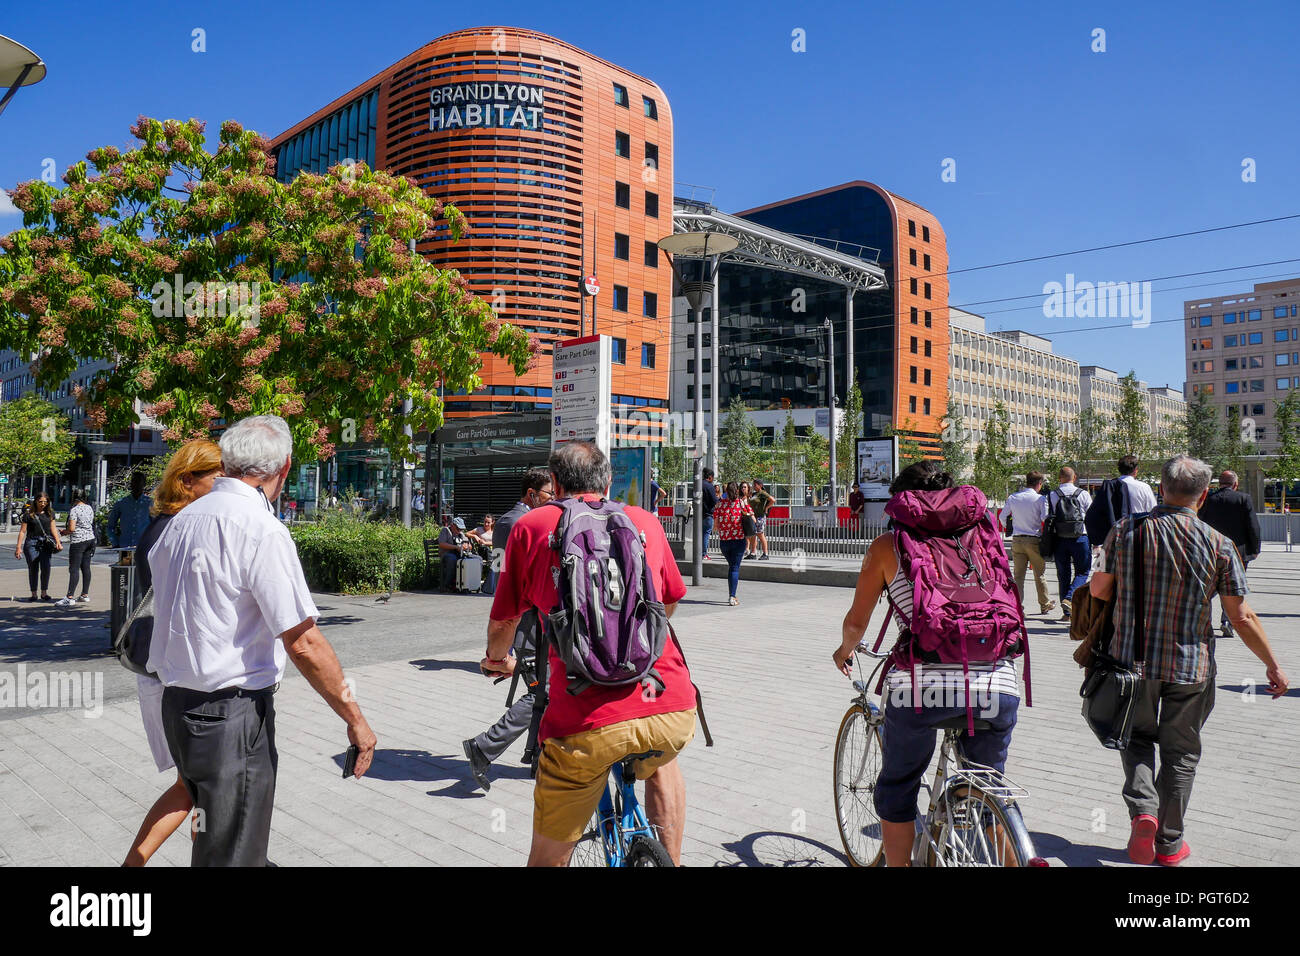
{"points": [[945, 574]]}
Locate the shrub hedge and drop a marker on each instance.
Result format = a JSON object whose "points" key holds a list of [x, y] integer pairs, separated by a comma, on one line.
{"points": [[345, 555]]}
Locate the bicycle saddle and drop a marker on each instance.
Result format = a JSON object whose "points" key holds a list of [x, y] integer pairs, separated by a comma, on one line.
{"points": [[959, 723]]}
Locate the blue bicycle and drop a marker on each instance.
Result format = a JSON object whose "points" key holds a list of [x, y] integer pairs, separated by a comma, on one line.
{"points": [[620, 834]]}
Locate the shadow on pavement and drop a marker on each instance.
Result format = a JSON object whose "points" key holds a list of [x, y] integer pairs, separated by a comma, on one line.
{"points": [[428, 664], [43, 632], [1076, 854], [1260, 690], [420, 766], [773, 848], [327, 620]]}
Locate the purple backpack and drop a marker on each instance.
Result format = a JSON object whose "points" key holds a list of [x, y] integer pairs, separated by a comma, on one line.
{"points": [[965, 607], [609, 626]]}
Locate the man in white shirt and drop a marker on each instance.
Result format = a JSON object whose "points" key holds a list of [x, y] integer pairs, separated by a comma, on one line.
{"points": [[1141, 498], [231, 606], [1068, 506], [1026, 510]]}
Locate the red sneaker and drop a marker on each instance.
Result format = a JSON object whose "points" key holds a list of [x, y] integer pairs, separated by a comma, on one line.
{"points": [[1174, 859], [1142, 839]]}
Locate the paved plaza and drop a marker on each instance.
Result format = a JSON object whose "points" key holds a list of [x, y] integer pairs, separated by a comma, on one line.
{"points": [[74, 788]]}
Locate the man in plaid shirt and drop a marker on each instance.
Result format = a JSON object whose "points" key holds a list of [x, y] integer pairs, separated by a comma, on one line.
{"points": [[1186, 563]]}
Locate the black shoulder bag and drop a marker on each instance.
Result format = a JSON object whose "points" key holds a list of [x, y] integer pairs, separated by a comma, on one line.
{"points": [[1110, 689]]}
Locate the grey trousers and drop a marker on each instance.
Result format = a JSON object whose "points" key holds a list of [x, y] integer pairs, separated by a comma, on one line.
{"points": [[224, 748], [1168, 716], [492, 743]]}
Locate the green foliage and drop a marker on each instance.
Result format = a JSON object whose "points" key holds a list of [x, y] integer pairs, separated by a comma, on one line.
{"points": [[344, 554], [1048, 456], [34, 438], [675, 466], [1130, 428], [1087, 441], [816, 461], [909, 449], [954, 443], [1286, 419], [1202, 428], [994, 464], [739, 456], [850, 430], [789, 452], [298, 299]]}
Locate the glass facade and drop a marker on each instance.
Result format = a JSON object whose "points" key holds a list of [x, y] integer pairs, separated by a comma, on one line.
{"points": [[346, 134]]}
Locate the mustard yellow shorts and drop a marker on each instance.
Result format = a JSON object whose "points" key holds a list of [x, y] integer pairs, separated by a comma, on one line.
{"points": [[572, 770]]}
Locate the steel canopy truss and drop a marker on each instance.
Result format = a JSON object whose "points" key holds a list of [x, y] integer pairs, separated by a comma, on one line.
{"points": [[771, 249]]}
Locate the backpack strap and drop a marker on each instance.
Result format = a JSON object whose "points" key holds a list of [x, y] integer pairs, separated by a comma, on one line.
{"points": [[1139, 595], [699, 698]]}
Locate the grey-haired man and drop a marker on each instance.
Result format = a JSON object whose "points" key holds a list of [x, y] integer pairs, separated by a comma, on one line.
{"points": [[231, 607]]}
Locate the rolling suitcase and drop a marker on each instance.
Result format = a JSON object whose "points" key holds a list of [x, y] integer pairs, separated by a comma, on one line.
{"points": [[469, 573]]}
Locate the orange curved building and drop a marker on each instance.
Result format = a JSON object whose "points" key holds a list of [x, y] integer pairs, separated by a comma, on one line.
{"points": [[562, 165]]}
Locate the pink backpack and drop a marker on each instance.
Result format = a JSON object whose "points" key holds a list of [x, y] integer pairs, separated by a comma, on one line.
{"points": [[965, 606]]}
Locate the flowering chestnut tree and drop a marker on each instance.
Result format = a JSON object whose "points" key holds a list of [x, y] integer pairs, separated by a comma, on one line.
{"points": [[218, 292]]}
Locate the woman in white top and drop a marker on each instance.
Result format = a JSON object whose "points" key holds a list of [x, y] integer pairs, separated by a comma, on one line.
{"points": [[189, 475], [909, 732], [80, 539]]}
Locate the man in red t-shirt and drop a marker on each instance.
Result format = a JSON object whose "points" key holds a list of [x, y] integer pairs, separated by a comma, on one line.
{"points": [[583, 735]]}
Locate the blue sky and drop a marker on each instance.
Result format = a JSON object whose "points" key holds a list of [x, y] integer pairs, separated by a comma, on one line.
{"points": [[1057, 148]]}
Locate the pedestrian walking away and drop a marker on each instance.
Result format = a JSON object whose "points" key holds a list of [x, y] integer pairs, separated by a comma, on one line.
{"points": [[1067, 508], [38, 540], [729, 516], [481, 751], [1117, 498], [1232, 514], [80, 531], [1026, 510], [1185, 563], [189, 475], [583, 734], [231, 608], [957, 678]]}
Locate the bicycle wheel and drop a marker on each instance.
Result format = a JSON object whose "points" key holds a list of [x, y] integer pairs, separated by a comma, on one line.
{"points": [[980, 829], [647, 851], [857, 765], [590, 848]]}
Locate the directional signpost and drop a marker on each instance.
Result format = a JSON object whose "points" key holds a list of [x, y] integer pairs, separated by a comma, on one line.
{"points": [[580, 391]]}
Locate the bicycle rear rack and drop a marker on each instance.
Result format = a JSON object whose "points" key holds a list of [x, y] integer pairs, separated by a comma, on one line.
{"points": [[989, 781]]}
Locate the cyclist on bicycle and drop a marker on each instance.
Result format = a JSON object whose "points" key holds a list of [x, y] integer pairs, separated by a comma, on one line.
{"points": [[583, 735], [909, 735]]}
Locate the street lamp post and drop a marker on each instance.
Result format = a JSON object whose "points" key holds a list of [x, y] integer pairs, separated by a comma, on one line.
{"points": [[19, 67], [708, 248]]}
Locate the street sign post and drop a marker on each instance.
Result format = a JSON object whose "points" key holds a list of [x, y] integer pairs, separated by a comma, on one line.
{"points": [[580, 391]]}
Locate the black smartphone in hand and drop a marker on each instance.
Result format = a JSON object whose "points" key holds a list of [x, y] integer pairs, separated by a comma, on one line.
{"points": [[350, 761]]}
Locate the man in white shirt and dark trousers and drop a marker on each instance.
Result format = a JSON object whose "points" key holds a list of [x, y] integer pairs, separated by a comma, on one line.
{"points": [[231, 605], [1067, 507], [1026, 510]]}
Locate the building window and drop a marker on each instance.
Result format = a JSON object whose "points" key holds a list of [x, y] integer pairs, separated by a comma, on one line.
{"points": [[1256, 338], [1257, 385], [912, 375], [1282, 358], [622, 145], [651, 110], [914, 343], [622, 195], [707, 343], [1280, 312], [927, 348], [925, 410], [620, 246], [927, 381], [652, 255], [1254, 315], [925, 233], [708, 390], [1229, 365], [619, 349], [1229, 318], [911, 404], [650, 305], [1207, 321], [1229, 342], [1283, 384], [1255, 409], [911, 227], [1256, 361], [912, 286], [647, 355], [927, 319], [927, 262], [1280, 335], [651, 156], [927, 290], [652, 205], [620, 95], [914, 315], [690, 391], [911, 257], [620, 298]]}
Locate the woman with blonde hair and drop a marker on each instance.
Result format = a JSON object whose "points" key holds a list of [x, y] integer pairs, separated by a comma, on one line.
{"points": [[189, 475]]}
